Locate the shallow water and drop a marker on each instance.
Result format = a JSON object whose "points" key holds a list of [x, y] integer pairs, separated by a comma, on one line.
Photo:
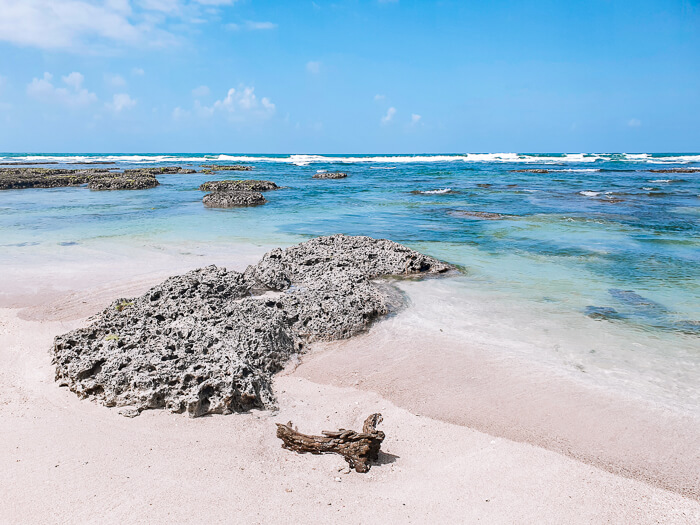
{"points": [[592, 268]]}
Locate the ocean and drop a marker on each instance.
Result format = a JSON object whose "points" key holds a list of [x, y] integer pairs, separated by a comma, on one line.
{"points": [[587, 263]]}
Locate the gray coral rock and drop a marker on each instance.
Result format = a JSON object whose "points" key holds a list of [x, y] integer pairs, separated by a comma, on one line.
{"points": [[330, 175], [209, 341], [238, 185], [233, 199]]}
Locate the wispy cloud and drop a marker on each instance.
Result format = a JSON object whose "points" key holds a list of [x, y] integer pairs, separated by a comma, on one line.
{"points": [[115, 80], [201, 91], [379, 98], [313, 67], [250, 25], [120, 102], [73, 95], [415, 119], [138, 72], [634, 123], [389, 115]]}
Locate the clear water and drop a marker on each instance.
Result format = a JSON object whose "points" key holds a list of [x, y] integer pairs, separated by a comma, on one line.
{"points": [[592, 267]]}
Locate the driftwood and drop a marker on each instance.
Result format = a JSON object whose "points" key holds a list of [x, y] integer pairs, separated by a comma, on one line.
{"points": [[358, 448]]}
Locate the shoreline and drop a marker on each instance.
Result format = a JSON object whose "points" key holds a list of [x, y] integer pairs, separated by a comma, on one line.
{"points": [[408, 381]]}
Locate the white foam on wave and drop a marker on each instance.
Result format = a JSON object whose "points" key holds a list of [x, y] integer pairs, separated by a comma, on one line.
{"points": [[306, 159], [589, 193], [662, 180], [437, 192]]}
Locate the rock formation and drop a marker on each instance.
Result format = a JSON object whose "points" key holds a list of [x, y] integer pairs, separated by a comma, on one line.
{"points": [[238, 185], [210, 340], [95, 178], [233, 199], [330, 175], [223, 167]]}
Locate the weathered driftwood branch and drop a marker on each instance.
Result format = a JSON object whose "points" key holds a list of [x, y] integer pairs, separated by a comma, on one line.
{"points": [[358, 448]]}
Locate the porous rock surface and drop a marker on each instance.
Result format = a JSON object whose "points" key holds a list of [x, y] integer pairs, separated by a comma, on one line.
{"points": [[238, 185], [330, 175], [95, 178], [210, 340], [226, 167], [233, 199]]}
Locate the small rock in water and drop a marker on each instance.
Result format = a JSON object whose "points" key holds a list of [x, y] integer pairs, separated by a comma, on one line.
{"points": [[330, 175], [233, 199], [238, 185]]}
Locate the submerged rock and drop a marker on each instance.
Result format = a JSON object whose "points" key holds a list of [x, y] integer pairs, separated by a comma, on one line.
{"points": [[233, 199], [676, 170], [210, 340], [330, 175], [603, 312], [224, 167], [238, 185], [484, 215]]}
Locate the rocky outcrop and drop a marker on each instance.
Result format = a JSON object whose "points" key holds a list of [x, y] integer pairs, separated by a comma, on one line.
{"points": [[21, 178], [238, 185], [210, 340], [95, 178], [530, 171], [676, 170], [233, 199], [224, 167], [330, 175], [127, 180]]}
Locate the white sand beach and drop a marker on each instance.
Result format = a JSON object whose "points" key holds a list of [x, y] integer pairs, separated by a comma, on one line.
{"points": [[446, 458]]}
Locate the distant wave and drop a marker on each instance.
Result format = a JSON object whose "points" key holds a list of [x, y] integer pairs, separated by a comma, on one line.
{"points": [[304, 160], [589, 193]]}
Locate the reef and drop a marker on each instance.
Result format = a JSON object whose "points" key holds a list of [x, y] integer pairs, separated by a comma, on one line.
{"points": [[94, 178], [330, 175], [233, 199], [209, 341], [238, 185], [209, 168]]}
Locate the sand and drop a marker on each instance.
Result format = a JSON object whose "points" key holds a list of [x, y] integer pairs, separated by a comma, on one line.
{"points": [[64, 460]]}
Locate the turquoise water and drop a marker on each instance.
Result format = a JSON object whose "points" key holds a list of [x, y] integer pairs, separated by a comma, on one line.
{"points": [[599, 239]]}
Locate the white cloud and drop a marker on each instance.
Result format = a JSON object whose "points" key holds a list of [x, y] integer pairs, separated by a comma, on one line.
{"points": [[201, 91], [50, 24], [179, 113], [379, 98], [415, 118], [75, 95], [251, 26], [240, 104], [389, 115], [313, 67], [634, 123], [115, 80], [120, 102], [97, 26], [138, 72]]}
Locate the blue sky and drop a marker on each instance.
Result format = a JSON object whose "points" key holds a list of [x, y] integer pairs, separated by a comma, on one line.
{"points": [[349, 76]]}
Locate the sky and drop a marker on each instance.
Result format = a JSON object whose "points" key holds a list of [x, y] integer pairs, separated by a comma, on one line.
{"points": [[349, 76]]}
